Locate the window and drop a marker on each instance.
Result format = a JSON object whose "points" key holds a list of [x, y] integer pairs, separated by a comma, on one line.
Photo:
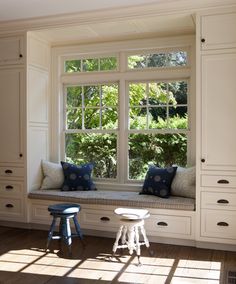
{"points": [[125, 120]]}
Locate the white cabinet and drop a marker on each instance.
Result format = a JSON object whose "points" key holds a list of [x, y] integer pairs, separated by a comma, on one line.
{"points": [[218, 111], [216, 97], [218, 31], [11, 50], [11, 128]]}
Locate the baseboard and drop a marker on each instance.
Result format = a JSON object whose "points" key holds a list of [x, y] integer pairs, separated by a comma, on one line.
{"points": [[216, 246]]}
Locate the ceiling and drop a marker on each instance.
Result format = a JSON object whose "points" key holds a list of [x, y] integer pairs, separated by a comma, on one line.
{"points": [[25, 9]]}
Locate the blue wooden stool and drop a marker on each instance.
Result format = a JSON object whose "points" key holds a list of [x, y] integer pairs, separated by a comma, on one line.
{"points": [[65, 212]]}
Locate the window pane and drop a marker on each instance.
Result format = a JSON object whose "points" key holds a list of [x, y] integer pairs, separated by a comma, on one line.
{"points": [[160, 149], [99, 149], [158, 94], [91, 96], [156, 60], [90, 64], [110, 95], [74, 96], [137, 94], [108, 63], [179, 91], [138, 118], [92, 118], [74, 118], [176, 58], [73, 66], [109, 118], [178, 118], [158, 118], [137, 61]]}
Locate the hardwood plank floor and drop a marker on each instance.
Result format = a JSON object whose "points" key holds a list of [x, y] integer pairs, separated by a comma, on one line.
{"points": [[23, 260]]}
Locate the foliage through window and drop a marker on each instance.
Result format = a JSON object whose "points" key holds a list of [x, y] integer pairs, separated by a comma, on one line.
{"points": [[155, 121], [170, 59], [91, 64]]}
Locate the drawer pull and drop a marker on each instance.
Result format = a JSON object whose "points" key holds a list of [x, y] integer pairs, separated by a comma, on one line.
{"points": [[105, 219], [9, 205], [223, 181], [8, 171], [9, 187], [222, 201], [222, 224], [164, 224]]}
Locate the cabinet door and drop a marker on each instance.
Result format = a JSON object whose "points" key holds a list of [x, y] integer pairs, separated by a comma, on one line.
{"points": [[219, 111], [218, 31], [11, 50], [11, 84]]}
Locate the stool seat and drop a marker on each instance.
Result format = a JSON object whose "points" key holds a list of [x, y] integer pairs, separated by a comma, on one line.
{"points": [[64, 208], [65, 212], [131, 221]]}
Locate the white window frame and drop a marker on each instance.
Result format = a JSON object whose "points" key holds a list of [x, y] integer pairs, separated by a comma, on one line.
{"points": [[122, 75]]}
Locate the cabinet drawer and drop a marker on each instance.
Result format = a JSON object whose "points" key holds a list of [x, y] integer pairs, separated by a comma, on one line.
{"points": [[10, 206], [218, 200], [11, 172], [218, 181], [97, 220], [218, 224], [180, 225], [9, 188]]}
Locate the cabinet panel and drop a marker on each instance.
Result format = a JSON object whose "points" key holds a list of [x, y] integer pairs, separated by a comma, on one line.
{"points": [[169, 224], [11, 84], [11, 50], [218, 224], [218, 200], [10, 206], [218, 111], [218, 31], [218, 181], [11, 172], [10, 188]]}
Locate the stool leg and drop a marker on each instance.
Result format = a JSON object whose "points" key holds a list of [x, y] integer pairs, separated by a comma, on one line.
{"points": [[118, 235], [138, 251], [77, 227], [123, 239], [51, 230], [144, 236], [66, 232], [131, 244]]}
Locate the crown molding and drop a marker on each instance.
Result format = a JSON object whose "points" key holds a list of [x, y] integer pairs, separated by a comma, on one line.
{"points": [[111, 15]]}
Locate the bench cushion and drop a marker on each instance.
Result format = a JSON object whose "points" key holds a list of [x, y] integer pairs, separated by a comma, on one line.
{"points": [[116, 198]]}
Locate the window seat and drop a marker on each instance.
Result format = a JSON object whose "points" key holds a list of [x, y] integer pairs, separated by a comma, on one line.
{"points": [[116, 198]]}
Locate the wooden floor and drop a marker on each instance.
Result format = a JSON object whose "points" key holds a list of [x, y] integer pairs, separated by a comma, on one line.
{"points": [[23, 260]]}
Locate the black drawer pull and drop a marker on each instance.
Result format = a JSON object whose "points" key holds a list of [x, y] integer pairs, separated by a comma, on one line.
{"points": [[105, 219], [8, 171], [9, 205], [223, 201], [223, 181], [222, 224], [9, 187], [164, 224]]}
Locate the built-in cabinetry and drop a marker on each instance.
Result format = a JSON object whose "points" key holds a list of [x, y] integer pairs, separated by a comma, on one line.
{"points": [[216, 108], [12, 117]]}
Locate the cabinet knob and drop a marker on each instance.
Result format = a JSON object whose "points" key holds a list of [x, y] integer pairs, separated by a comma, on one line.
{"points": [[9, 205], [203, 40], [20, 155], [105, 219], [164, 224], [20, 55], [203, 160]]}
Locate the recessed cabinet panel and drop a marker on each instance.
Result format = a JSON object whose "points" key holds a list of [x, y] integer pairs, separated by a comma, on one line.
{"points": [[218, 111], [218, 31], [218, 200], [11, 50], [11, 81]]}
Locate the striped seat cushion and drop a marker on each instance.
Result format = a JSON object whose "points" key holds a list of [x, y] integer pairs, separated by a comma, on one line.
{"points": [[116, 198]]}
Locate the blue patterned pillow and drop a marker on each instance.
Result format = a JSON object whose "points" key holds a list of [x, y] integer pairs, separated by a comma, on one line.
{"points": [[158, 181], [77, 177]]}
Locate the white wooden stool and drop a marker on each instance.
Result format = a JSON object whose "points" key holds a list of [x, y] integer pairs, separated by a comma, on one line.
{"points": [[131, 220]]}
